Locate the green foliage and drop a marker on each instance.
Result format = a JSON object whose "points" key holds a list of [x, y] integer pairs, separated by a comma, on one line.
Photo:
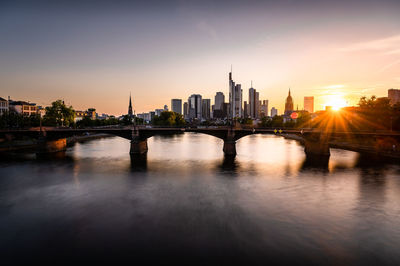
{"points": [[15, 120], [128, 120], [303, 120], [246, 121], [275, 122], [376, 113], [59, 114], [88, 122], [168, 118]]}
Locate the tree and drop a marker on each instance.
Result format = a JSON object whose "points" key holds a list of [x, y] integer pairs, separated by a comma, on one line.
{"points": [[12, 119], [277, 121], [375, 113], [168, 118], [59, 114]]}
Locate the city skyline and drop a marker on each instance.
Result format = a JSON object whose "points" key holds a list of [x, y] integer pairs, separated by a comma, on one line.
{"points": [[94, 56]]}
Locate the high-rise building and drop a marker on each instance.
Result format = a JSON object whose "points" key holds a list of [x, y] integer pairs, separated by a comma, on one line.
{"points": [[152, 114], [186, 110], [274, 111], [195, 103], [309, 104], [289, 105], [394, 96], [176, 105], [205, 109], [219, 100], [264, 108], [130, 111], [254, 103], [245, 109], [235, 98], [165, 107]]}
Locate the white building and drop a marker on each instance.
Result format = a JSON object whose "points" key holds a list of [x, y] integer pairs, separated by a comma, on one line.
{"points": [[3, 106], [22, 107]]}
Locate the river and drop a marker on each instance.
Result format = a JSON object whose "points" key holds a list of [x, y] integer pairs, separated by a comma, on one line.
{"points": [[185, 203]]}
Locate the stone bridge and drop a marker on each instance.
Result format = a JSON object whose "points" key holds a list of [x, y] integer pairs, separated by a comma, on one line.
{"points": [[316, 142]]}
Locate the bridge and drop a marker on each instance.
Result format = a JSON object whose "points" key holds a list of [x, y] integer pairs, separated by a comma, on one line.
{"points": [[316, 142]]}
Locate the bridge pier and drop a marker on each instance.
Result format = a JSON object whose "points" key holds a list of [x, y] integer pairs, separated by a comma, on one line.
{"points": [[316, 145], [230, 143], [138, 146], [229, 147], [51, 146]]}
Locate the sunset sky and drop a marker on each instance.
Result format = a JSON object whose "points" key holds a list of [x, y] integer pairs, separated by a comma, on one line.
{"points": [[94, 53]]}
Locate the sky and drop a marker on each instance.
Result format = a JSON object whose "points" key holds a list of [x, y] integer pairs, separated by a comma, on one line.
{"points": [[95, 53]]}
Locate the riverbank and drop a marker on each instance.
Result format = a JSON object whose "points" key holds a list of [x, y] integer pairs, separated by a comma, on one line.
{"points": [[17, 145]]}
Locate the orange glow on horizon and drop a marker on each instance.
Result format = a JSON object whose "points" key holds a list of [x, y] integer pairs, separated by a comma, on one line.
{"points": [[336, 102]]}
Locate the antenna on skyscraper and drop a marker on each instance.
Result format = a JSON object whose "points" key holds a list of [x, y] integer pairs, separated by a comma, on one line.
{"points": [[252, 84]]}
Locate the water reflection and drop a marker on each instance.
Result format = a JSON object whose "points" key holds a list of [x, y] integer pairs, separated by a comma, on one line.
{"points": [[316, 163], [138, 162], [280, 206], [229, 165]]}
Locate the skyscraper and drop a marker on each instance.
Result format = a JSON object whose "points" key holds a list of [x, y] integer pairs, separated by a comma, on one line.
{"points": [[194, 104], [274, 111], [185, 110], [219, 100], [235, 98], [264, 108], [254, 103], [245, 109], [394, 96], [206, 109], [289, 104], [176, 105], [130, 111], [309, 104]]}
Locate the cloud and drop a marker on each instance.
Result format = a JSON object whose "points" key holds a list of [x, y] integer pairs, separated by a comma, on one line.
{"points": [[207, 29], [386, 67], [337, 86], [390, 45]]}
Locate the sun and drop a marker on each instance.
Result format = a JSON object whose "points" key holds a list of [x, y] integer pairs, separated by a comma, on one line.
{"points": [[336, 102]]}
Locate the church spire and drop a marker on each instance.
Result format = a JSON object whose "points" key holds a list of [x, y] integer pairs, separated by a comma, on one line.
{"points": [[130, 112]]}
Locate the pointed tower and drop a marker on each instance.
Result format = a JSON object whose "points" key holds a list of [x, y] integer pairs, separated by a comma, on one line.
{"points": [[289, 104], [130, 112]]}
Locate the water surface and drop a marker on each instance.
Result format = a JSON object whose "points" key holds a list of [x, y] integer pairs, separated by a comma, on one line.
{"points": [[185, 203]]}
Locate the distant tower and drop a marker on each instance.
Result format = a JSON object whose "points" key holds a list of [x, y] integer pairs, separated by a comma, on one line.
{"points": [[289, 104], [309, 104], [130, 112], [235, 98]]}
